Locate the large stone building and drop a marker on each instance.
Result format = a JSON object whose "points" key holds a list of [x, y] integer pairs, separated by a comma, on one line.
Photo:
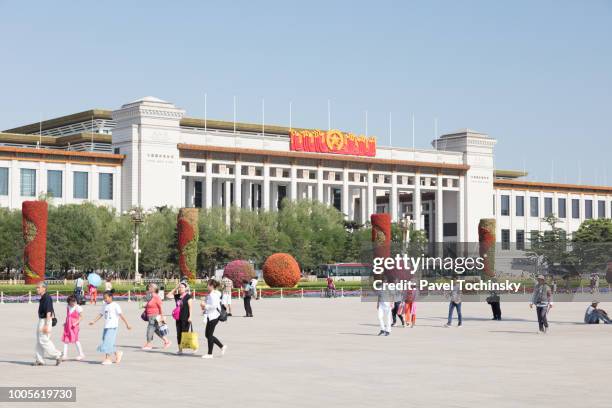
{"points": [[148, 153]]}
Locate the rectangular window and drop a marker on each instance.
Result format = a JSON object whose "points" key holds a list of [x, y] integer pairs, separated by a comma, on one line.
{"points": [[520, 206], [588, 209], [575, 208], [197, 199], [80, 185], [520, 239], [548, 206], [105, 186], [54, 183], [505, 238], [4, 172], [505, 205], [561, 203], [28, 182], [450, 229], [534, 206], [601, 209]]}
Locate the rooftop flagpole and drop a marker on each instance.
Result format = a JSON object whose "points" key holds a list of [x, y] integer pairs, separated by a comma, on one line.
{"points": [[234, 114], [205, 112], [290, 123], [366, 123], [436, 132], [413, 136], [263, 117], [328, 114], [390, 131]]}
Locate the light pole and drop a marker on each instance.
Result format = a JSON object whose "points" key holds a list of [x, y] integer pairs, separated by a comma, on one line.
{"points": [[137, 217]]}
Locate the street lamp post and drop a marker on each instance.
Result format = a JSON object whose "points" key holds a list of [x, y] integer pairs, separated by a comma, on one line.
{"points": [[137, 217]]}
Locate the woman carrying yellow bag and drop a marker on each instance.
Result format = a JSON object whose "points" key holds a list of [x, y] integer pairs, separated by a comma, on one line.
{"points": [[182, 313]]}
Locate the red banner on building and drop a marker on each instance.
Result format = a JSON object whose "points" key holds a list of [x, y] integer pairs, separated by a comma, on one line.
{"points": [[332, 141]]}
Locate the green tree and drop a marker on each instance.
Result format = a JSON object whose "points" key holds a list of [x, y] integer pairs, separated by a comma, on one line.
{"points": [[550, 248], [157, 242], [11, 240], [592, 244]]}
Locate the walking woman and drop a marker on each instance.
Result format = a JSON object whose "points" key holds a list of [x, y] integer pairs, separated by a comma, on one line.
{"points": [[248, 292], [155, 316], [212, 309], [74, 315], [183, 311]]}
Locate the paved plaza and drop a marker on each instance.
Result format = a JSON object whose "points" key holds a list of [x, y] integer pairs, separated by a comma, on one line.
{"points": [[325, 353]]}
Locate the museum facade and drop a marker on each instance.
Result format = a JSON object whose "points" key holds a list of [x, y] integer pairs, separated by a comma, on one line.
{"points": [[149, 154]]}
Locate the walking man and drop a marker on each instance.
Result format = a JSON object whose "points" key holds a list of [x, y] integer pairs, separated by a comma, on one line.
{"points": [[455, 303], [542, 299], [44, 345]]}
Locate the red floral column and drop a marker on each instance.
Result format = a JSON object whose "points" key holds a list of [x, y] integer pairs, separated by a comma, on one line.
{"points": [[187, 227], [381, 234], [486, 241], [34, 224]]}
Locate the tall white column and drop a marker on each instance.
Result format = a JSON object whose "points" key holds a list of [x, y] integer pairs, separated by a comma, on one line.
{"points": [[249, 194], [363, 204], [208, 186], [227, 197], [293, 189], [393, 198], [320, 192], [346, 199], [238, 185], [265, 189], [439, 211], [416, 203], [371, 199]]}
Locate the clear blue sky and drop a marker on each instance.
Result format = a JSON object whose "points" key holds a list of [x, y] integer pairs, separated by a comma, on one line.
{"points": [[536, 75]]}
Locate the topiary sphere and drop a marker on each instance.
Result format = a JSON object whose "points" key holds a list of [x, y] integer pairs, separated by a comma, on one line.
{"points": [[281, 271], [238, 271]]}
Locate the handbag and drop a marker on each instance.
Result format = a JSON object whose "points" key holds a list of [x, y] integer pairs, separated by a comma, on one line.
{"points": [[163, 330], [189, 339], [144, 316], [222, 313]]}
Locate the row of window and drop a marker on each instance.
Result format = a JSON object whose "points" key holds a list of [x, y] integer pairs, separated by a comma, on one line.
{"points": [[520, 237], [534, 207], [55, 187]]}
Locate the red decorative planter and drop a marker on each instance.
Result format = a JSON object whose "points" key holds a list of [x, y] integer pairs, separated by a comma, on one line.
{"points": [[34, 225], [238, 271], [381, 235], [486, 241], [281, 271], [187, 229]]}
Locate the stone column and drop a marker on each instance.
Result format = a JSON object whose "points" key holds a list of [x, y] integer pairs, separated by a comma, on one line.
{"points": [[345, 193], [238, 185], [393, 198], [265, 189], [320, 195], [208, 186], [293, 189], [416, 203], [371, 198]]}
